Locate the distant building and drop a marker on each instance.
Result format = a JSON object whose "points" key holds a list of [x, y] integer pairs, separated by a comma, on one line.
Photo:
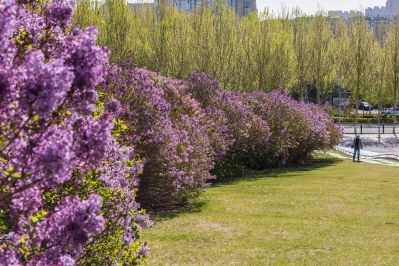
{"points": [[374, 15], [377, 17], [244, 7], [139, 6], [241, 7], [186, 5], [378, 21], [346, 15], [390, 10]]}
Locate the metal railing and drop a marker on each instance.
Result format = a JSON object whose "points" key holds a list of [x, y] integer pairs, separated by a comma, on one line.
{"points": [[369, 129], [378, 156]]}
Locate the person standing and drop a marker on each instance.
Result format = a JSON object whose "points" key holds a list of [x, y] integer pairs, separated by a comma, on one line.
{"points": [[357, 145]]}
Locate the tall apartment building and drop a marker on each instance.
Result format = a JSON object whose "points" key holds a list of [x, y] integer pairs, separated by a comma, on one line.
{"points": [[391, 9], [244, 7]]}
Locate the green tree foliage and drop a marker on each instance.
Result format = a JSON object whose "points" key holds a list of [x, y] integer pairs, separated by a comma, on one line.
{"points": [[392, 49], [356, 56]]}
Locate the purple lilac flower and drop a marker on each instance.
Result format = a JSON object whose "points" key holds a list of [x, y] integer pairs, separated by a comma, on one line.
{"points": [[72, 224], [32, 24], [54, 155], [92, 139], [144, 250], [7, 28], [87, 61], [113, 106], [46, 85], [60, 13], [27, 201]]}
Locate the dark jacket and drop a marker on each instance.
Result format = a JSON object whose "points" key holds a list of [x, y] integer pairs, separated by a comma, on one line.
{"points": [[357, 143]]}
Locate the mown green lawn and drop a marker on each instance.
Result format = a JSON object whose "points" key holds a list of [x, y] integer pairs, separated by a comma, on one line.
{"points": [[333, 213]]}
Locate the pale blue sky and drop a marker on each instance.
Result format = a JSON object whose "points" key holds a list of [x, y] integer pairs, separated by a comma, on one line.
{"points": [[311, 6]]}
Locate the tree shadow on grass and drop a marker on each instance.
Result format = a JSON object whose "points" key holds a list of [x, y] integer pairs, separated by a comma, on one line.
{"points": [[195, 204], [251, 175]]}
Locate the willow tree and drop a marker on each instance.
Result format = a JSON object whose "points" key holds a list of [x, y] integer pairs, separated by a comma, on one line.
{"points": [[378, 82], [88, 13], [253, 39], [319, 43], [226, 34], [356, 50], [282, 65], [301, 44], [143, 37], [392, 48], [117, 25], [115, 22]]}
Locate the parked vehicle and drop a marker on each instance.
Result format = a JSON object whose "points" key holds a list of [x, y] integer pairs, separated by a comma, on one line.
{"points": [[365, 106], [391, 111], [341, 102]]}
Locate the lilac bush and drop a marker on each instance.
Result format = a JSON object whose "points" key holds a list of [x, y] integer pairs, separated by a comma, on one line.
{"points": [[175, 137], [269, 129], [67, 186], [297, 128], [250, 132]]}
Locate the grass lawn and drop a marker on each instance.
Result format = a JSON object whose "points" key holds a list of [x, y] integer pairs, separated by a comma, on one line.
{"points": [[332, 212]]}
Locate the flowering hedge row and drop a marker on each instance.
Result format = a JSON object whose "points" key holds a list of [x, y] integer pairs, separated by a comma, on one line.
{"points": [[269, 129], [189, 132]]}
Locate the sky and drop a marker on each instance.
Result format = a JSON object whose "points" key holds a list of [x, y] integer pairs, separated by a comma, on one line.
{"points": [[311, 6]]}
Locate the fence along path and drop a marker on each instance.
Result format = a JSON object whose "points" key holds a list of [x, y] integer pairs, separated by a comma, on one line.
{"points": [[369, 128]]}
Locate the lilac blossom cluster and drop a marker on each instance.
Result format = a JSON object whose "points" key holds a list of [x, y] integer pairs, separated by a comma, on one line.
{"points": [[61, 169]]}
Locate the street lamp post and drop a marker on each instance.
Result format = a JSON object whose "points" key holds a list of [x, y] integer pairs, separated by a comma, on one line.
{"points": [[339, 107], [379, 122]]}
